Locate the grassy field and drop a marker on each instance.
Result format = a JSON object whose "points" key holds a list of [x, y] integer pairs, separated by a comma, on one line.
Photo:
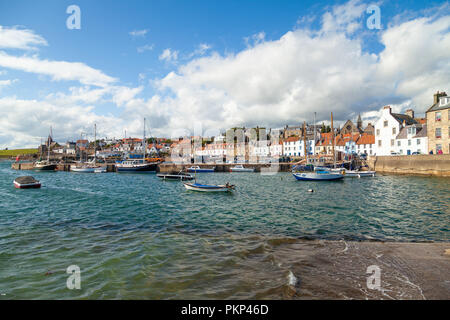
{"points": [[14, 153]]}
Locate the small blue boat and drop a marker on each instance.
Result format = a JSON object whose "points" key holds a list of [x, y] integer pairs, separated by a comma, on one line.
{"points": [[198, 169]]}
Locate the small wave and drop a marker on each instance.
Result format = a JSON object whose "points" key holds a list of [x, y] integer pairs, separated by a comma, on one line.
{"points": [[292, 280]]}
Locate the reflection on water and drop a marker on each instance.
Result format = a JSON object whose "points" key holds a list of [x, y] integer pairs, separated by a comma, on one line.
{"points": [[134, 236]]}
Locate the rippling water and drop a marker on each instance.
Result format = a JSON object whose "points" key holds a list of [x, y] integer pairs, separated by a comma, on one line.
{"points": [[134, 236]]}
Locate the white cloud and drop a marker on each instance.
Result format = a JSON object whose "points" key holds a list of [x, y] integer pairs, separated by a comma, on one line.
{"points": [[7, 82], [15, 38], [57, 70], [138, 33], [168, 55], [31, 120], [147, 47]]}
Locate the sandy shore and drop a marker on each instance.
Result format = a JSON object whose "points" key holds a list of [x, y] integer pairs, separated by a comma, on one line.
{"points": [[338, 269]]}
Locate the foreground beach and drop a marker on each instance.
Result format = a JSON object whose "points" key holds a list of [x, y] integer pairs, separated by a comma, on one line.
{"points": [[337, 269]]}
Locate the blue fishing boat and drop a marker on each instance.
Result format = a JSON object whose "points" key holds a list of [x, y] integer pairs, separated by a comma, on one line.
{"points": [[198, 169]]}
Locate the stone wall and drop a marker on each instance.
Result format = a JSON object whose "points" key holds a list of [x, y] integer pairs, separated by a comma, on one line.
{"points": [[436, 165]]}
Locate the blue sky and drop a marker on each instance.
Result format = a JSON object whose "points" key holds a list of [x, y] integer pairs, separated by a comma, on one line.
{"points": [[208, 67]]}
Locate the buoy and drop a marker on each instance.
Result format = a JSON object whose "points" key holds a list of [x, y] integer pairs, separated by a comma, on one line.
{"points": [[310, 190]]}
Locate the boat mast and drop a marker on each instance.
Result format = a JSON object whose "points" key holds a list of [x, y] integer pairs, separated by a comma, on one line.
{"points": [[304, 142], [332, 131], [48, 146], [95, 143], [145, 143], [314, 136]]}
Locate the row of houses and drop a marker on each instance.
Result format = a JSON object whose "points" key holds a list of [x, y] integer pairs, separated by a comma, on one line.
{"points": [[405, 134]]}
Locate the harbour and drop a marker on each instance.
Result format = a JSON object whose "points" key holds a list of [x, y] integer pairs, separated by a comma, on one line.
{"points": [[135, 236]]}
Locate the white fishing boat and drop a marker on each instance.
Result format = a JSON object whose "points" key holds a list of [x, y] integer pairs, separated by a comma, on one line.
{"points": [[356, 173], [82, 169], [89, 167], [209, 188], [241, 168]]}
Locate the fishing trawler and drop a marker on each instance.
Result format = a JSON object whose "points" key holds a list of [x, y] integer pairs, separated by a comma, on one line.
{"points": [[136, 165]]}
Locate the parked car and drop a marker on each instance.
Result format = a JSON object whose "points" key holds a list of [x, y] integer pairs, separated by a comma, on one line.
{"points": [[416, 153], [395, 153]]}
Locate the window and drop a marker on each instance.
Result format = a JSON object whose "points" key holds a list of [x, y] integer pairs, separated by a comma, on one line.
{"points": [[385, 123], [392, 142], [378, 132], [409, 142], [438, 133], [379, 143], [438, 116], [418, 141], [399, 143], [394, 130], [438, 148]]}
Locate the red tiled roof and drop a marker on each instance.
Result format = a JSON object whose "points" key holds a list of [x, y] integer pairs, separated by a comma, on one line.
{"points": [[366, 139]]}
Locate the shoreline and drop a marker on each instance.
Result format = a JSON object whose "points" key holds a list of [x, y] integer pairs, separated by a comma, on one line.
{"points": [[328, 269]]}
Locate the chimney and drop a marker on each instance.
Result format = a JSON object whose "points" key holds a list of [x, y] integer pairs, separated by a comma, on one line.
{"points": [[410, 112], [388, 109], [437, 95]]}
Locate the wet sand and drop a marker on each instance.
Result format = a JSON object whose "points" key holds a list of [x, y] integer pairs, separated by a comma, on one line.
{"points": [[338, 269]]}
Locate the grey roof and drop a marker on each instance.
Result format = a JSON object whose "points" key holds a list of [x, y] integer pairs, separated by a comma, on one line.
{"points": [[437, 106], [422, 133], [404, 118]]}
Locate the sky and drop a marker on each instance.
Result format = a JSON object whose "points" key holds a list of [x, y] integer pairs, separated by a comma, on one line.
{"points": [[200, 67]]}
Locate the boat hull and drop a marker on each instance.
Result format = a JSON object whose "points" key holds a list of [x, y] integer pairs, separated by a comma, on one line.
{"points": [[45, 167], [34, 185], [137, 168], [174, 177], [359, 174], [82, 170], [313, 176], [206, 188]]}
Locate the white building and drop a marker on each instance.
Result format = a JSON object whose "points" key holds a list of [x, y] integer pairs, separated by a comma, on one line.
{"points": [[294, 146], [412, 139], [386, 130], [276, 149]]}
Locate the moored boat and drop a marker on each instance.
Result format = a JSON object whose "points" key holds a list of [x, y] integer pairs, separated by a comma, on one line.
{"points": [[241, 168], [26, 182], [135, 166], [198, 169], [357, 173], [209, 188], [44, 166], [318, 176], [180, 176]]}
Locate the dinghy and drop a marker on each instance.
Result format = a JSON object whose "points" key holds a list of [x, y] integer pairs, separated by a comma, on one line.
{"points": [[175, 176], [26, 182], [209, 188]]}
